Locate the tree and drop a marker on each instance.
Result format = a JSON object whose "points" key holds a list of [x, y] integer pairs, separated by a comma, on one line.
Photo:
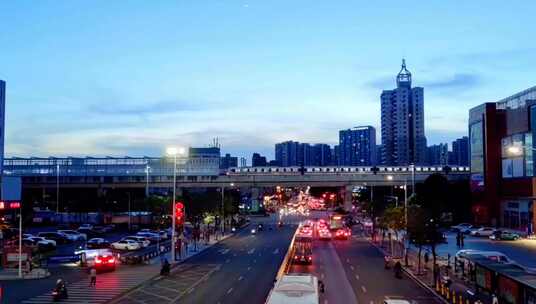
{"points": [[393, 219], [435, 198], [416, 229]]}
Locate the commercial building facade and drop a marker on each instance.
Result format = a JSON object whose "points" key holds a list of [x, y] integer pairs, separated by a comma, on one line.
{"points": [[502, 161], [402, 122]]}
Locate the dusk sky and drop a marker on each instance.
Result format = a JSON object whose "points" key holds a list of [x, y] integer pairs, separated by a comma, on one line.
{"points": [[132, 77]]}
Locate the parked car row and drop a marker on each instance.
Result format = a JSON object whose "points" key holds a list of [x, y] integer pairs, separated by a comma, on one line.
{"points": [[492, 233]]}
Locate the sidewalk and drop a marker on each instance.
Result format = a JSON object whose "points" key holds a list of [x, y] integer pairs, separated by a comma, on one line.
{"points": [[126, 278], [13, 274], [459, 291]]}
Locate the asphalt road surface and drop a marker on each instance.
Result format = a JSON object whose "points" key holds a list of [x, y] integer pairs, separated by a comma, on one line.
{"points": [[240, 269]]}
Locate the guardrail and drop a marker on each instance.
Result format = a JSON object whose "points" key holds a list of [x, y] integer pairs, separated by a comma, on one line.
{"points": [[285, 266]]}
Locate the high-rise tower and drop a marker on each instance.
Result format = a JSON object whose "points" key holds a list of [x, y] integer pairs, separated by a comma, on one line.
{"points": [[402, 121]]}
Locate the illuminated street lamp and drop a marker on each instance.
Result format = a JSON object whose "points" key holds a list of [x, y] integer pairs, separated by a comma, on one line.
{"points": [[389, 177]]}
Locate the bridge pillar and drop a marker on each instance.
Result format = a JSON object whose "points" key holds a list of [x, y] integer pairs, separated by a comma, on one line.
{"points": [[348, 197]]}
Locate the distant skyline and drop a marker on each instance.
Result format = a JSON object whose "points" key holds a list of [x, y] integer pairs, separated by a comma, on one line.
{"points": [[130, 78]]}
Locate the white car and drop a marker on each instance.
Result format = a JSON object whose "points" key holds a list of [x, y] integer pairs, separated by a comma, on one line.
{"points": [[43, 241], [484, 231], [73, 235], [126, 245], [144, 242], [151, 236], [461, 227], [163, 234]]}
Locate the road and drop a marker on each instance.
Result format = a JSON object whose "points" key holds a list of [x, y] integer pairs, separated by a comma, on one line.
{"points": [[240, 267], [353, 272]]}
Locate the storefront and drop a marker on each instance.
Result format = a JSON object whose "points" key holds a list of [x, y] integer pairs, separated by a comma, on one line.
{"points": [[518, 214]]}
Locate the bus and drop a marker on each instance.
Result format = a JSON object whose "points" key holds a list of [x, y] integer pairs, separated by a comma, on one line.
{"points": [[303, 249], [335, 221]]}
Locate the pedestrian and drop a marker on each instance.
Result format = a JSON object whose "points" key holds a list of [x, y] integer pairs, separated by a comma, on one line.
{"points": [[494, 299], [426, 259], [92, 277]]}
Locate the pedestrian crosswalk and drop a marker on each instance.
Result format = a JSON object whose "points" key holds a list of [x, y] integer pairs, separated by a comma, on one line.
{"points": [[109, 286]]}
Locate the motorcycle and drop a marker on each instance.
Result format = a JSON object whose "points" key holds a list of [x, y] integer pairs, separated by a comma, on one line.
{"points": [[165, 269], [59, 293]]}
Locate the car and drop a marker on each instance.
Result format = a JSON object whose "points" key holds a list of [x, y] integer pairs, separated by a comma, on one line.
{"points": [[126, 245], [484, 231], [143, 241], [253, 231], [86, 226], [99, 229], [42, 243], [153, 237], [461, 227], [324, 234], [73, 235], [97, 243], [104, 262], [163, 234], [58, 237], [90, 233], [504, 236], [342, 234]]}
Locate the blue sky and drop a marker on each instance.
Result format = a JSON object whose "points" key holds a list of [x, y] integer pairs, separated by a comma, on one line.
{"points": [[131, 77]]}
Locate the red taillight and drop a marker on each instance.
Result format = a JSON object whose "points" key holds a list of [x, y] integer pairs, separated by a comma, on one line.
{"points": [[112, 260], [295, 257], [310, 258]]}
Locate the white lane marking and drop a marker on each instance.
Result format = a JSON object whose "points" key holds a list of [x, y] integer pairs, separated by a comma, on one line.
{"points": [[224, 251], [352, 267], [276, 251], [230, 290], [254, 261], [240, 278], [251, 251], [363, 288], [357, 277], [228, 260], [249, 268]]}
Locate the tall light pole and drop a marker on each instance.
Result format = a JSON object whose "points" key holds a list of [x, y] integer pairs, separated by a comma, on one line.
{"points": [[20, 241], [147, 168], [129, 224], [412, 166], [223, 208], [172, 151], [57, 188]]}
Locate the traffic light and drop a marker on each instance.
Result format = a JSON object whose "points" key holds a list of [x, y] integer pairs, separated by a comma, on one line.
{"points": [[179, 213]]}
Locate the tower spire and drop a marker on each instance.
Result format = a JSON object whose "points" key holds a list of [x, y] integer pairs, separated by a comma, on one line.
{"points": [[404, 76]]}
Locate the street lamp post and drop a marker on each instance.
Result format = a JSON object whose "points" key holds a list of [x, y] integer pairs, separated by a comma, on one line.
{"points": [[173, 152], [57, 188], [20, 241], [129, 223], [147, 168]]}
